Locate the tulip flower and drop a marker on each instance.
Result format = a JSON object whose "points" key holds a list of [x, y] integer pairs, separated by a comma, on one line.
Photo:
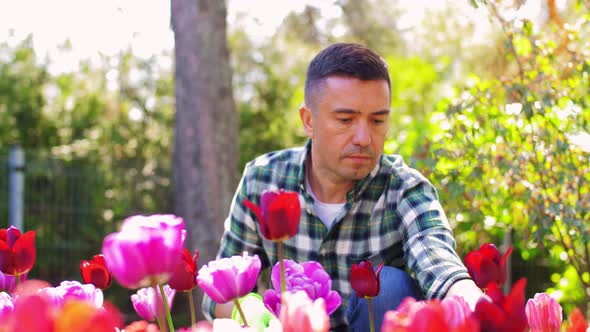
{"points": [[228, 279], [577, 322], [148, 302], [301, 314], [17, 252], [73, 290], [6, 304], [80, 316], [456, 310], [278, 216], [184, 278], [145, 252], [503, 313], [95, 272], [485, 265], [412, 316], [365, 282], [364, 279], [8, 283], [307, 276], [143, 326], [544, 313]]}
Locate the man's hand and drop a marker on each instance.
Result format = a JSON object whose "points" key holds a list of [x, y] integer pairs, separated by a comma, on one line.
{"points": [[468, 290]]}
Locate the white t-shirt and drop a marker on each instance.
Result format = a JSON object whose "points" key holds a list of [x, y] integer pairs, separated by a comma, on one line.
{"points": [[327, 212]]}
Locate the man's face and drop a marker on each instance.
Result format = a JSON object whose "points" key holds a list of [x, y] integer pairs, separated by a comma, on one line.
{"points": [[347, 125]]}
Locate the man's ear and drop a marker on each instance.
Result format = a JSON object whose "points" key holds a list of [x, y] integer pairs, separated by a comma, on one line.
{"points": [[307, 120]]}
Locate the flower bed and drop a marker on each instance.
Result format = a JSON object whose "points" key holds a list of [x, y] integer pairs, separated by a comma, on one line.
{"points": [[148, 254]]}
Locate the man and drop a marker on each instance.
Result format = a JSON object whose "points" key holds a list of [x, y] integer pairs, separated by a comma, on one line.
{"points": [[357, 203]]}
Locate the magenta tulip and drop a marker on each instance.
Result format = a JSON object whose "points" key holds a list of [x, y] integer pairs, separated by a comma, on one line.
{"points": [[226, 279], [544, 313], [278, 214], [307, 276], [8, 282], [149, 304], [301, 314], [146, 250]]}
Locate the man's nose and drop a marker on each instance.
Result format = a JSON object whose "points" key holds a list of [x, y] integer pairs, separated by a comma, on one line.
{"points": [[362, 135]]}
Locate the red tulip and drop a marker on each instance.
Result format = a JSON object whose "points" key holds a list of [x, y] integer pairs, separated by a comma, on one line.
{"points": [[364, 280], [17, 253], [184, 277], [485, 265], [429, 316], [95, 272], [278, 214], [577, 323], [504, 313]]}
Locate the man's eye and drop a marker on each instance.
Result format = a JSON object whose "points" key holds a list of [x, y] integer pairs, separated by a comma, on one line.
{"points": [[344, 120], [378, 121]]}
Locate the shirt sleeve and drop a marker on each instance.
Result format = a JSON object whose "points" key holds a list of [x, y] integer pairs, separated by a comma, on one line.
{"points": [[429, 247], [240, 234]]}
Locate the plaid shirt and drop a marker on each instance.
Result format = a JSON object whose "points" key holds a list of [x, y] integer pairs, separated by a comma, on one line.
{"points": [[393, 215]]}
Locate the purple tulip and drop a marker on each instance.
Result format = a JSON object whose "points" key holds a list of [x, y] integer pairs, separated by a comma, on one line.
{"points": [[149, 304], [308, 276], [456, 311], [6, 304], [544, 313], [8, 282], [146, 250], [73, 290], [228, 278]]}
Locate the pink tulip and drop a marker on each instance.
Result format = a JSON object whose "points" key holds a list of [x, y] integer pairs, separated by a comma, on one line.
{"points": [[544, 313], [300, 314], [72, 290], [149, 304], [146, 250], [456, 310], [6, 304], [226, 279]]}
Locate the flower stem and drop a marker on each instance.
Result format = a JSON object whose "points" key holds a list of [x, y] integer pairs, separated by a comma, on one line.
{"points": [[371, 318], [167, 308], [237, 303], [16, 280], [192, 306], [281, 264]]}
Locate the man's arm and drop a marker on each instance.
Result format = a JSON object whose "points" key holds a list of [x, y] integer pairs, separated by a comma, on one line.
{"points": [[429, 247]]}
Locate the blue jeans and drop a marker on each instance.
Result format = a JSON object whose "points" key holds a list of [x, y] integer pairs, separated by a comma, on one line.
{"points": [[396, 285]]}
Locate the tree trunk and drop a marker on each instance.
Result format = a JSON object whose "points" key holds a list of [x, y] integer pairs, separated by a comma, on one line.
{"points": [[206, 149]]}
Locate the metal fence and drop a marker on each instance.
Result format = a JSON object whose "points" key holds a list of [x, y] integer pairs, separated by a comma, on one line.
{"points": [[59, 202]]}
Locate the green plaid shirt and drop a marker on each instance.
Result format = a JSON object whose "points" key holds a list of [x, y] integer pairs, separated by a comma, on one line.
{"points": [[393, 215]]}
